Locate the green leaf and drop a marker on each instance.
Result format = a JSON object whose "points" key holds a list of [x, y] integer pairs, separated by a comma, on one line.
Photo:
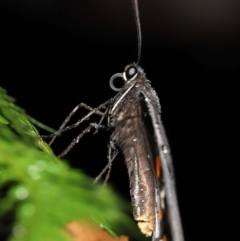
{"points": [[43, 191]]}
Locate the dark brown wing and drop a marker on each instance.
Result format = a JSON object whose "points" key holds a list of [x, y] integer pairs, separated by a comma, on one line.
{"points": [[130, 135]]}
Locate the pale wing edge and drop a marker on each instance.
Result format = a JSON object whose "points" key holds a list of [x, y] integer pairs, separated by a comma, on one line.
{"points": [[168, 177]]}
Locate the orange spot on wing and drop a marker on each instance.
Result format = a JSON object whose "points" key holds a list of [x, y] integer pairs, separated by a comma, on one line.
{"points": [[161, 214], [158, 166], [164, 238]]}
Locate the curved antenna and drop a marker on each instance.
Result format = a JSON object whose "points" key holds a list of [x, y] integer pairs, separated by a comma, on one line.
{"points": [[138, 25]]}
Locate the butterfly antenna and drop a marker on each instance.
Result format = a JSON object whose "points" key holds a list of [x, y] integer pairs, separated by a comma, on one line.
{"points": [[138, 25]]}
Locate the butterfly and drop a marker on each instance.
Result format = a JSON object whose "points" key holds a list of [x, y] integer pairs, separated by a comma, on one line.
{"points": [[133, 116]]}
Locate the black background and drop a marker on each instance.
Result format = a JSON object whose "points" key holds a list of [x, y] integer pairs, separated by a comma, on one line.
{"points": [[56, 54]]}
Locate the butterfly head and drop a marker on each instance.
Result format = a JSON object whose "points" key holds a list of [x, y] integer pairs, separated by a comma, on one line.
{"points": [[130, 73]]}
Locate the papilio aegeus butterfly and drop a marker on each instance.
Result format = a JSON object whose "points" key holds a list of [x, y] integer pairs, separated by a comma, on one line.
{"points": [[134, 118]]}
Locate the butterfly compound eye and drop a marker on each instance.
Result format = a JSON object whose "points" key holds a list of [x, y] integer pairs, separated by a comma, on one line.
{"points": [[131, 72]]}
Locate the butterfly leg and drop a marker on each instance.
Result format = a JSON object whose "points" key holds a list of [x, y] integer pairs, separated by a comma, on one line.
{"points": [[81, 105], [101, 120], [77, 139], [112, 154], [91, 112]]}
